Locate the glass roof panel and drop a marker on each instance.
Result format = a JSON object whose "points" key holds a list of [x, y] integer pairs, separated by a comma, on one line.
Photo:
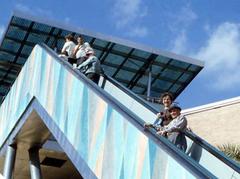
{"points": [[140, 53], [6, 56], [42, 27], [164, 85], [185, 77], [21, 22], [166, 70], [101, 43], [194, 68], [27, 49], [124, 74], [108, 69], [156, 69], [56, 31], [16, 33], [175, 88], [131, 63], [20, 60], [10, 45], [36, 38], [97, 52], [143, 80], [121, 48], [114, 59], [162, 59], [137, 90], [87, 38], [179, 64], [170, 74], [154, 94]]}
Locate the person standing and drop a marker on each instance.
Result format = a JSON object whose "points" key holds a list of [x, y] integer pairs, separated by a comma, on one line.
{"points": [[175, 129], [163, 117], [91, 67], [68, 47]]}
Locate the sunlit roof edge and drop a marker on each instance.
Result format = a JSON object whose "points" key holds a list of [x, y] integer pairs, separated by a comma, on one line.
{"points": [[117, 40]]}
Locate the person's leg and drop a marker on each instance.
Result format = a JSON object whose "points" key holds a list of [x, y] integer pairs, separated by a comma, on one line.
{"points": [[72, 60], [94, 77]]}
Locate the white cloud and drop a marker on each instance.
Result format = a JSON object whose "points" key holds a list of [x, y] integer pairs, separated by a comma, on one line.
{"points": [[138, 31], [127, 15], [222, 56], [34, 11], [179, 24], [180, 43], [179, 21]]}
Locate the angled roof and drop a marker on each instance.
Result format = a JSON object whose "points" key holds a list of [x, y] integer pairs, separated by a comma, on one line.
{"points": [[125, 61]]}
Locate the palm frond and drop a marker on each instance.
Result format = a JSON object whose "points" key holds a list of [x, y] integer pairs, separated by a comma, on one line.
{"points": [[231, 150]]}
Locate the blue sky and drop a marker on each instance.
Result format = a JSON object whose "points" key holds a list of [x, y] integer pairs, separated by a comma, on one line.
{"points": [[208, 30]]}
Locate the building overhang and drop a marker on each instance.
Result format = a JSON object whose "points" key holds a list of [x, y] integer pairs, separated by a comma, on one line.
{"points": [[127, 62]]}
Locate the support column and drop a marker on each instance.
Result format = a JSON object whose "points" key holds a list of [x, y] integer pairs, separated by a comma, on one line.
{"points": [[149, 82], [9, 161], [34, 163]]}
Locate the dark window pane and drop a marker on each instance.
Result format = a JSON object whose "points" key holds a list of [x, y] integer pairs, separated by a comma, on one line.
{"points": [[140, 53], [121, 48]]}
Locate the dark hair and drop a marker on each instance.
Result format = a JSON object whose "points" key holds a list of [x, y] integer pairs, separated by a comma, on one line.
{"points": [[69, 37], [166, 94]]}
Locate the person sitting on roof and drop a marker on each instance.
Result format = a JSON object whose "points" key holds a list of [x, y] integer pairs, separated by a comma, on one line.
{"points": [[91, 67], [174, 130], [68, 47]]}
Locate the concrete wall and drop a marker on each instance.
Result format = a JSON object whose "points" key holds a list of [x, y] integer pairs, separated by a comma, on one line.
{"points": [[218, 123]]}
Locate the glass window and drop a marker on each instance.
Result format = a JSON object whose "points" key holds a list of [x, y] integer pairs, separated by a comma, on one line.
{"points": [[101, 43], [16, 33], [164, 85], [194, 68], [87, 38], [21, 22], [27, 49], [156, 69], [140, 53], [109, 70], [179, 64], [143, 80], [162, 59], [126, 75], [138, 90], [20, 60], [6, 56], [121, 48], [185, 77], [10, 45], [135, 64], [175, 88], [171, 74], [42, 27], [114, 59], [36, 38]]}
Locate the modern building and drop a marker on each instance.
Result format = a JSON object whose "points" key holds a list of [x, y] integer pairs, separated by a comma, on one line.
{"points": [[220, 119], [56, 123]]}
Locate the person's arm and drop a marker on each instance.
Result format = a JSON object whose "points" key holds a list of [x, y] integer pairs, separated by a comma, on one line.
{"points": [[76, 50], [64, 48], [87, 62], [178, 125]]}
